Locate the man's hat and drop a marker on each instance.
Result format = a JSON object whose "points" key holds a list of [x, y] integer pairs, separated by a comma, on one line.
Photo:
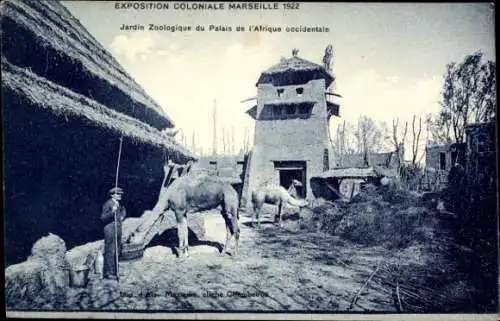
{"points": [[116, 190]]}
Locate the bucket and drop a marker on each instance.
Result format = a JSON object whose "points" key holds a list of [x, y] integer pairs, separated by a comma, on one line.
{"points": [[79, 276], [132, 251]]}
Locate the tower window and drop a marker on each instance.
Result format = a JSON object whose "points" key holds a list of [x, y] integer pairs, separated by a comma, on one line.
{"points": [[276, 111], [280, 91], [290, 109], [304, 109], [299, 91]]}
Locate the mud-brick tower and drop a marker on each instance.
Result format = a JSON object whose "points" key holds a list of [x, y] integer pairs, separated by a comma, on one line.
{"points": [[292, 138]]}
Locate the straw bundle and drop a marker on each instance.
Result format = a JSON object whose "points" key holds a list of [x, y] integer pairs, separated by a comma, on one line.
{"points": [[45, 274]]}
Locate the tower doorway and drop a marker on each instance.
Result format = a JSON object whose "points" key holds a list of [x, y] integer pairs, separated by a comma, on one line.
{"points": [[287, 171]]}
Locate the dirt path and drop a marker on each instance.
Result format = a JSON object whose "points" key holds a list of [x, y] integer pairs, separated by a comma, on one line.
{"points": [[276, 270]]}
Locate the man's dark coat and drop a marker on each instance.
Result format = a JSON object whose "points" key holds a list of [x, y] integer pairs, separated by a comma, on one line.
{"points": [[110, 245]]}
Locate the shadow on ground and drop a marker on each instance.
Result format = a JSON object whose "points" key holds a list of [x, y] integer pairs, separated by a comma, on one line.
{"points": [[170, 239]]}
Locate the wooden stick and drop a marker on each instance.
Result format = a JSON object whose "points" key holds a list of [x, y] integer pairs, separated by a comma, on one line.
{"points": [[400, 306], [353, 302], [117, 246]]}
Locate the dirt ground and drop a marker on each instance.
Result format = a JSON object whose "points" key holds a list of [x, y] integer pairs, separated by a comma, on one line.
{"points": [[277, 269]]}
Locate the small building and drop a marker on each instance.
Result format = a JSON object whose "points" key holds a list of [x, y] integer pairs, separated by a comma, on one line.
{"points": [[443, 157], [351, 171], [228, 168], [347, 182], [66, 105], [387, 160], [481, 165], [292, 114], [439, 159]]}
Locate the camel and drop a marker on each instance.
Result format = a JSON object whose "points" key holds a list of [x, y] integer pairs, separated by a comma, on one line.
{"points": [[292, 190], [276, 195], [191, 193]]}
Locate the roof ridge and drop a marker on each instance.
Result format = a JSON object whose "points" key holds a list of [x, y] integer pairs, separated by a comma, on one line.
{"points": [[287, 63]]}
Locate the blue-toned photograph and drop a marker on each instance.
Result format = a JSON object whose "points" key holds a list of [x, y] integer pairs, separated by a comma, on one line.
{"points": [[249, 159]]}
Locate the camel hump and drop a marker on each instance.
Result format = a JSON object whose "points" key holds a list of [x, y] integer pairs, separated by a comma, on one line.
{"points": [[259, 193], [229, 190]]}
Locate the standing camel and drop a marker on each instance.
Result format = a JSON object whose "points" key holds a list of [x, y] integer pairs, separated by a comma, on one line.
{"points": [[276, 195], [192, 193]]}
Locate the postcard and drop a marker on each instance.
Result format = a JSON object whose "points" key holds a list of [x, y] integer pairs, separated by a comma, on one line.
{"points": [[249, 160]]}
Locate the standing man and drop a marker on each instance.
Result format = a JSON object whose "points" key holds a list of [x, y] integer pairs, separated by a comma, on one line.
{"points": [[113, 213]]}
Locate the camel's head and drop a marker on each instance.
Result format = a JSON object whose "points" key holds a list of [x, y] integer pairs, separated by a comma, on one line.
{"points": [[296, 183]]}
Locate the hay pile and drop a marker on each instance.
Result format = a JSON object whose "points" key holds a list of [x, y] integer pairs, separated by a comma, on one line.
{"points": [[422, 261], [386, 215], [322, 216], [42, 280]]}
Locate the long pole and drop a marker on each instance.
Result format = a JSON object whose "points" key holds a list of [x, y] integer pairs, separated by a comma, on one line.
{"points": [[214, 122], [116, 224]]}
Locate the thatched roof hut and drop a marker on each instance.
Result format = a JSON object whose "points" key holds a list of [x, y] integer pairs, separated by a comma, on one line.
{"points": [[66, 102]]}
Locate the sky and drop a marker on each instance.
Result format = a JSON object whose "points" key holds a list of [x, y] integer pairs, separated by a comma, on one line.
{"points": [[388, 58]]}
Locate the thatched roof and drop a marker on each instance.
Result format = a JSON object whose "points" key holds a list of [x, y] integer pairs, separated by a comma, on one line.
{"points": [[298, 67], [61, 101], [292, 64], [50, 26]]}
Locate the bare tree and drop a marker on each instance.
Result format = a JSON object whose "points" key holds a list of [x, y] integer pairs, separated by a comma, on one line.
{"points": [[415, 144], [338, 144], [246, 141], [398, 141], [181, 138], [193, 142], [370, 137], [468, 95], [224, 141], [344, 142], [233, 147]]}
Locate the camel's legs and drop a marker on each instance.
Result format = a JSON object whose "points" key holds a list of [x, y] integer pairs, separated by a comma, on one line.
{"points": [[236, 231], [278, 217], [228, 232], [185, 244], [256, 217], [228, 238], [232, 228], [256, 209], [182, 231]]}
